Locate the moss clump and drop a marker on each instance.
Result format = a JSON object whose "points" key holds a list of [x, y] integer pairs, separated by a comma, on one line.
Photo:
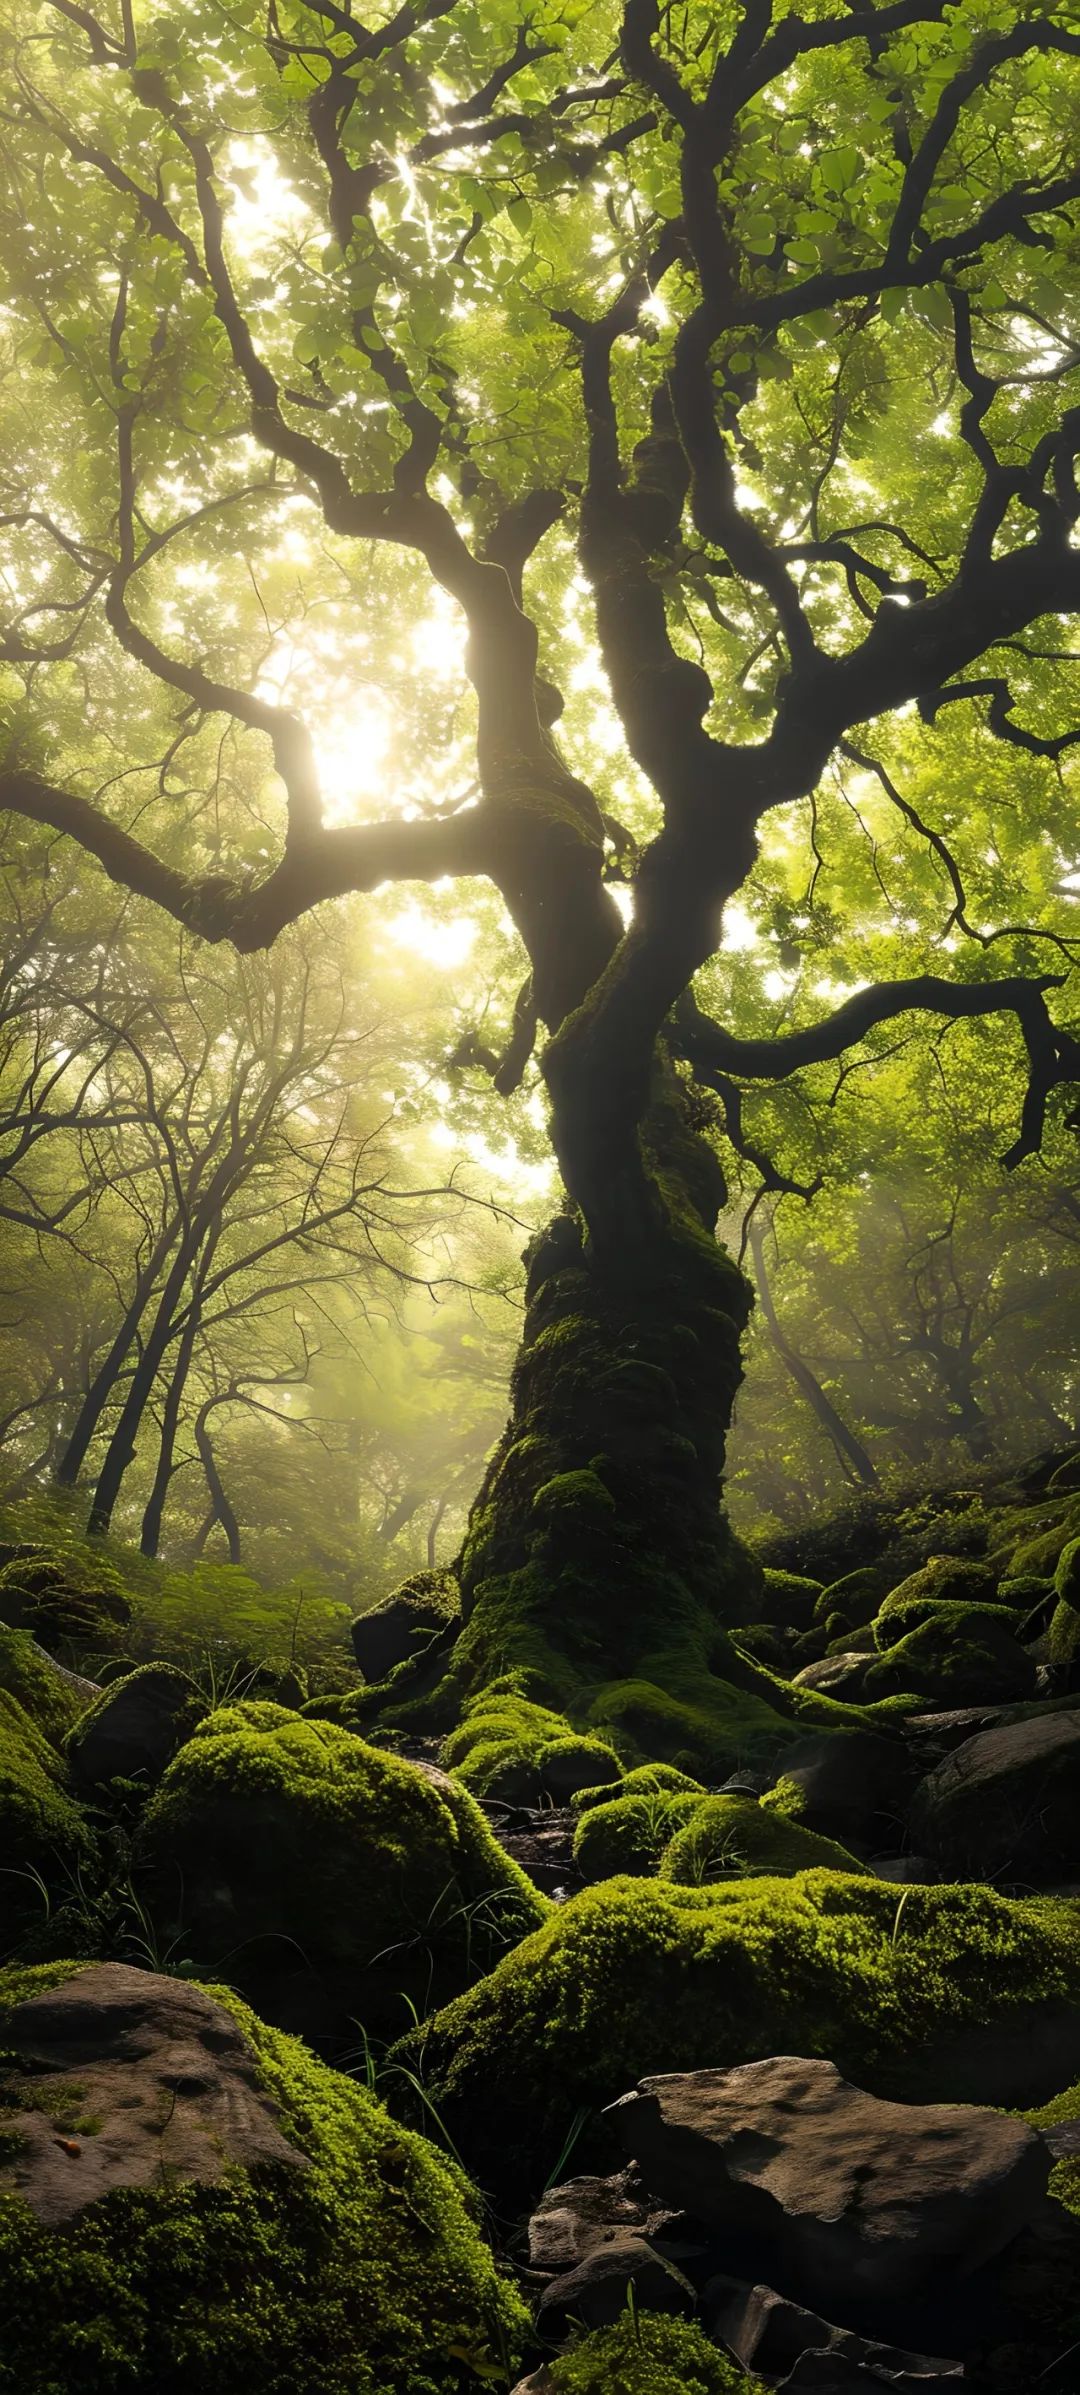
{"points": [[959, 1653], [133, 1729], [51, 1701], [639, 1976], [505, 1746], [733, 1837], [1041, 1552], [363, 2275], [789, 1599], [631, 1833], [648, 2355], [290, 1847], [42, 1832], [647, 1779], [943, 1580], [855, 1598], [60, 1602]]}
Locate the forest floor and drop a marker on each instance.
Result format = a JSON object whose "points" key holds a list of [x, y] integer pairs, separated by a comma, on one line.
{"points": [[340, 2061]]}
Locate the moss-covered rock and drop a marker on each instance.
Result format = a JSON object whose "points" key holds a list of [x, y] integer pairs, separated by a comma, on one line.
{"points": [[646, 1779], [423, 1608], [362, 2274], [335, 1878], [937, 1993], [1042, 1537], [943, 1580], [53, 1698], [957, 1653], [789, 1599], [733, 1837], [645, 2355], [43, 1836], [133, 1729], [525, 1753], [62, 1603], [630, 1834], [855, 1598]]}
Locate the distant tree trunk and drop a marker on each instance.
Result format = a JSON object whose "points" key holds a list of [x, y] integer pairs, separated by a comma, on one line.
{"points": [[121, 1448], [220, 1508], [849, 1447], [110, 1370], [150, 1539]]}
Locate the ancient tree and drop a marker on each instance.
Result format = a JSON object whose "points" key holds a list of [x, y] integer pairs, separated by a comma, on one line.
{"points": [[756, 324]]}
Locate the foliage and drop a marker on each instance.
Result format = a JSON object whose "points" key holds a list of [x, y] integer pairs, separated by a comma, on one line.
{"points": [[648, 2355]]}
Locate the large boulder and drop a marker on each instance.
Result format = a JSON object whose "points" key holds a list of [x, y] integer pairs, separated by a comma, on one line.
{"points": [[62, 1603], [942, 1580], [928, 1993], [133, 1728], [954, 1654], [192, 2201], [852, 1786], [851, 2201], [336, 1880], [1007, 1802], [400, 1627]]}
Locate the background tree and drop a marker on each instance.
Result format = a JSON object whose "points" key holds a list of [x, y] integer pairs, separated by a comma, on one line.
{"points": [[733, 348]]}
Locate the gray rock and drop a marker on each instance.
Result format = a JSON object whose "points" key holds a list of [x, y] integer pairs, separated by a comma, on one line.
{"points": [[165, 2074], [858, 2201], [769, 2334], [134, 1726], [1007, 1802], [855, 1785], [836, 1675], [841, 2374], [595, 2293], [584, 2215]]}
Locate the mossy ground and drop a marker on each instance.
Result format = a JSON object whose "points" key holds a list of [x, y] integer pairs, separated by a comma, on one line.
{"points": [[42, 1691], [640, 1976], [649, 2355], [365, 2275], [732, 1837]]}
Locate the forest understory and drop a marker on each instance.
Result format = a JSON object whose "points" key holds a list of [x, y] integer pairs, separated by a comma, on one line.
{"points": [[510, 2106]]}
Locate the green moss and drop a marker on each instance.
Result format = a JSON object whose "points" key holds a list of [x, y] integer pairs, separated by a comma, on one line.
{"points": [[286, 1844], [1067, 1575], [364, 2275], [855, 1598], [505, 1746], [27, 1674], [648, 2355], [647, 1779], [170, 1710], [639, 1976], [734, 1837], [62, 1601], [43, 1836], [789, 1599], [958, 1653], [631, 1833], [943, 1580], [1064, 1638], [1040, 1553]]}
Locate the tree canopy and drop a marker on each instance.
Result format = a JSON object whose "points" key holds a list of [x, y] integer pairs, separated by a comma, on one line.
{"points": [[616, 461]]}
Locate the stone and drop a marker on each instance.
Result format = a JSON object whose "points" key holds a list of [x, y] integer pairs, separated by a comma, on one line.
{"points": [[852, 1785], [423, 1608], [768, 2333], [166, 2082], [597, 2291], [851, 2199], [583, 2215], [836, 1675], [133, 1728], [843, 2374], [1006, 1803]]}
